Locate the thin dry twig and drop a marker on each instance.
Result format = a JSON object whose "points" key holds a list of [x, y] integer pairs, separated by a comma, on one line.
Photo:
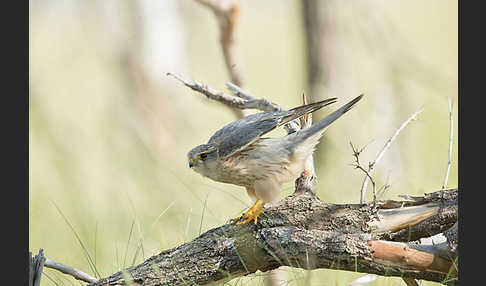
{"points": [[451, 134], [40, 261], [229, 100], [238, 91], [357, 165], [306, 120], [383, 188], [380, 154], [66, 269]]}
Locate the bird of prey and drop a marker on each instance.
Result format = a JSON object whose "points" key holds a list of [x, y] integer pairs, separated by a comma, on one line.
{"points": [[238, 154]]}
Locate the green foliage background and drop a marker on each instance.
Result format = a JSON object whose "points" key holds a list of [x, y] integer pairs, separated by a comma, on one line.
{"points": [[108, 134]]}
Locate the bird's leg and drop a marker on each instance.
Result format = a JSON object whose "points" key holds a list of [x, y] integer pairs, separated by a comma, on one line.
{"points": [[244, 215], [252, 213]]}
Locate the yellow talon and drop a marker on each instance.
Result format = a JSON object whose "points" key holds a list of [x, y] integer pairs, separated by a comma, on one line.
{"points": [[252, 213]]}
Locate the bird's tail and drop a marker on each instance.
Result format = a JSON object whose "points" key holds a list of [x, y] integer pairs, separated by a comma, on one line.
{"points": [[315, 131], [302, 110]]}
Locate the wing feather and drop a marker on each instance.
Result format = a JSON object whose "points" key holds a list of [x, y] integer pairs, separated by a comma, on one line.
{"points": [[237, 135]]}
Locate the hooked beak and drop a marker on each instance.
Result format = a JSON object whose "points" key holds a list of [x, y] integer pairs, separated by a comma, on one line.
{"points": [[192, 163]]}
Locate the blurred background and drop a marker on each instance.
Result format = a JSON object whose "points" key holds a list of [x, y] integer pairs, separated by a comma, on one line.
{"points": [[109, 184]]}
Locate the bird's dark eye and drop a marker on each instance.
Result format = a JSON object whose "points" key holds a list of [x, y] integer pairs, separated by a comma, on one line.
{"points": [[203, 156]]}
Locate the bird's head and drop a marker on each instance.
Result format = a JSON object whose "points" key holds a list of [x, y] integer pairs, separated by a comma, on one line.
{"points": [[202, 157]]}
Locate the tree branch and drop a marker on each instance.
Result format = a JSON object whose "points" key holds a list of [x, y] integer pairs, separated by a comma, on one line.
{"points": [[37, 263], [243, 100], [303, 232], [66, 269]]}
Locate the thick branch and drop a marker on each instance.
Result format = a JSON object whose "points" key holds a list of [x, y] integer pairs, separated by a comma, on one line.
{"points": [[302, 231]]}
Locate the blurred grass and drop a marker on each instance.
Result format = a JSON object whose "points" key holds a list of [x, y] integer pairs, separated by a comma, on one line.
{"points": [[112, 155]]}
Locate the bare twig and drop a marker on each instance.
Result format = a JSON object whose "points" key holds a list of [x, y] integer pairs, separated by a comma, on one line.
{"points": [[66, 269], [372, 165], [229, 100], [306, 120], [383, 188], [451, 133], [357, 165], [238, 91], [243, 101], [39, 261], [214, 94]]}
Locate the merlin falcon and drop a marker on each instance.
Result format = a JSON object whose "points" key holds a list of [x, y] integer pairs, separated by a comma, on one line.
{"points": [[238, 154]]}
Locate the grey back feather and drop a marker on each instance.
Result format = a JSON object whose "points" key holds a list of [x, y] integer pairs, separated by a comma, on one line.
{"points": [[237, 135]]}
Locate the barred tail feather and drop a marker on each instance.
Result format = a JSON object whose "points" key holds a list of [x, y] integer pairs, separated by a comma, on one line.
{"points": [[307, 139]]}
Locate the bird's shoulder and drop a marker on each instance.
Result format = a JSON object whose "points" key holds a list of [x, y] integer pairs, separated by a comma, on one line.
{"points": [[240, 133]]}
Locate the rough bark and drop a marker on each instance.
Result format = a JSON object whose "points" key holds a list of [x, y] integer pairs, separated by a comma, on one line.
{"points": [[304, 232]]}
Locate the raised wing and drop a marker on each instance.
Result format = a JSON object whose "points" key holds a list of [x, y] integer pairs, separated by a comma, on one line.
{"points": [[237, 135]]}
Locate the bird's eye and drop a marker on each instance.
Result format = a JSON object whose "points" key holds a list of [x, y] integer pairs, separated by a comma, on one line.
{"points": [[203, 156]]}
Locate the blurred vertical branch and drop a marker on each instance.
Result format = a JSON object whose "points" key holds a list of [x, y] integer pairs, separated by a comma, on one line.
{"points": [[227, 14], [319, 30]]}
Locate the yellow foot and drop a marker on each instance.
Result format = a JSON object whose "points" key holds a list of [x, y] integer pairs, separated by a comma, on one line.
{"points": [[251, 214]]}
